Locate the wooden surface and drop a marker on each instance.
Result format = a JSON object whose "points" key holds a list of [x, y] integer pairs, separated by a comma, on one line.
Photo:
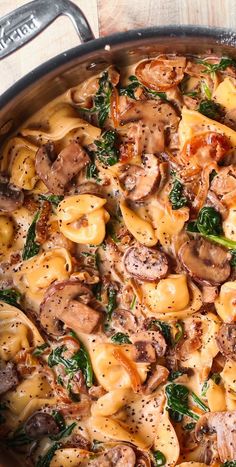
{"points": [[106, 17]]}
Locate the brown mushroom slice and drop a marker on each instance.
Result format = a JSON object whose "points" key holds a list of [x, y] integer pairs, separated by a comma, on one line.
{"points": [[8, 377], [223, 425], [11, 197], [161, 73], [206, 262], [157, 377], [57, 173], [120, 456], [40, 424], [146, 264], [225, 181], [139, 182], [226, 340], [124, 321], [155, 338], [63, 304], [147, 123]]}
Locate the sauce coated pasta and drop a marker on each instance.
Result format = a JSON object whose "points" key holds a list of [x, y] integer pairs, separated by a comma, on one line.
{"points": [[117, 271]]}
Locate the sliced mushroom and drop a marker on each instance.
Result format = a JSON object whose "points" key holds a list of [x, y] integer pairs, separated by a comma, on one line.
{"points": [[146, 124], [223, 425], [206, 262], [63, 304], [123, 320], [161, 73], [41, 424], [144, 352], [57, 173], [155, 338], [118, 456], [11, 197], [90, 188], [140, 182], [209, 294], [8, 377], [146, 264], [157, 377], [225, 181], [226, 340]]}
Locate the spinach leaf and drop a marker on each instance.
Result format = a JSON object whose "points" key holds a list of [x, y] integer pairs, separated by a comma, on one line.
{"points": [[221, 66], [112, 304], [164, 328], [102, 99], [92, 171], [233, 258], [205, 90], [59, 419], [180, 326], [176, 195], [53, 199], [120, 338], [210, 109], [64, 432], [11, 296], [40, 349], [31, 248], [45, 460], [189, 426], [204, 388], [229, 464], [18, 438], [79, 361], [135, 83], [175, 374], [133, 303], [159, 458], [178, 400], [216, 378], [106, 152], [212, 175], [209, 225]]}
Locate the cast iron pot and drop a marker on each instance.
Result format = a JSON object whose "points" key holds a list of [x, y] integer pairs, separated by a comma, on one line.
{"points": [[75, 65]]}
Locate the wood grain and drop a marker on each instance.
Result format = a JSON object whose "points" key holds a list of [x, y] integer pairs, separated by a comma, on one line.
{"points": [[106, 17], [122, 15]]}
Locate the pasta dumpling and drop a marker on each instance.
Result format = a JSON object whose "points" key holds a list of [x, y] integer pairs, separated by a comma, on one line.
{"points": [[226, 302]]}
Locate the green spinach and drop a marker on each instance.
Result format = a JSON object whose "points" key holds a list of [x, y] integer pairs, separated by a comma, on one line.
{"points": [[11, 296], [120, 338], [135, 84], [178, 401], [112, 303], [176, 195], [210, 109], [44, 461], [31, 247], [221, 66], [40, 349], [159, 458], [53, 199], [102, 99], [106, 152]]}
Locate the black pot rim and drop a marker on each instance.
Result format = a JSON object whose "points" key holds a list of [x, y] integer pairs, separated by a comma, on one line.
{"points": [[219, 35]]}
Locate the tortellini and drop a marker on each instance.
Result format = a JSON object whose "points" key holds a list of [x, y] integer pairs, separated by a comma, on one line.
{"points": [[225, 94], [37, 274], [229, 224], [6, 231], [124, 416], [215, 395], [82, 219], [226, 302], [170, 298], [201, 358], [167, 222], [166, 439], [141, 229], [17, 332], [21, 154], [194, 123], [109, 372]]}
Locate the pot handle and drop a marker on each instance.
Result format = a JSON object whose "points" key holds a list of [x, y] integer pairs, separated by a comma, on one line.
{"points": [[23, 24]]}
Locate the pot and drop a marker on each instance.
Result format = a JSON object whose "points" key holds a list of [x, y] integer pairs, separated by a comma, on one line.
{"points": [[75, 65]]}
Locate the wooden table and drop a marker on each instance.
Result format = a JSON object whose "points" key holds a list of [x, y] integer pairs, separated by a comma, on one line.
{"points": [[106, 17]]}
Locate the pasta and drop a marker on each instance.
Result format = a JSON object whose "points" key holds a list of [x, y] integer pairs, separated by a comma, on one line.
{"points": [[117, 271]]}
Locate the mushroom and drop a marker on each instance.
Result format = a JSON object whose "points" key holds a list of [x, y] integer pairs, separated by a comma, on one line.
{"points": [[57, 171], [8, 377], [146, 264], [119, 456], [226, 340], [90, 188], [147, 123], [225, 181], [223, 425], [40, 424], [206, 262], [123, 320], [140, 182], [157, 377], [63, 304], [11, 197], [161, 73], [144, 352], [155, 338]]}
